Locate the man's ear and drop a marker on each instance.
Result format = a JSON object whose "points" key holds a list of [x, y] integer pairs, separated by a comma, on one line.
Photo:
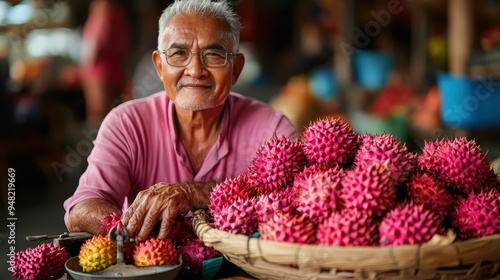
{"points": [[156, 57], [238, 63]]}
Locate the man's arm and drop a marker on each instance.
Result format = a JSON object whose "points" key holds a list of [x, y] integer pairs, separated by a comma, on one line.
{"points": [[164, 202], [89, 214]]}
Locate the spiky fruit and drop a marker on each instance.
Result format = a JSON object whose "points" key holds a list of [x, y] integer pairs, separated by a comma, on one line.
{"points": [[330, 142], [425, 160], [312, 169], [369, 189], [286, 227], [41, 262], [227, 191], [110, 221], [277, 201], [386, 149], [409, 223], [425, 189], [181, 231], [460, 163], [348, 228], [477, 215], [97, 253], [194, 253], [276, 162], [300, 177], [156, 251], [319, 194], [237, 217]]}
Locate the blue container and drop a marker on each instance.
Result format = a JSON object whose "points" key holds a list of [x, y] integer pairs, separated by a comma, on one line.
{"points": [[372, 69], [211, 267], [469, 103], [323, 84]]}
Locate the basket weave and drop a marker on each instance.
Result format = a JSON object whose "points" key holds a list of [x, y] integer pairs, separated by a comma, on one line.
{"points": [[471, 259]]}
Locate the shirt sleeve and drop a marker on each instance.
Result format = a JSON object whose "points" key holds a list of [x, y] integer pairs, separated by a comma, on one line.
{"points": [[108, 173], [285, 127]]}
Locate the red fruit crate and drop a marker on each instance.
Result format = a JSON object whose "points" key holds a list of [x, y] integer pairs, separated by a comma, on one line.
{"points": [[441, 258]]}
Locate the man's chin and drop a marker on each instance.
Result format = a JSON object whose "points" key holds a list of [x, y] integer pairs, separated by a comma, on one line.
{"points": [[194, 106]]}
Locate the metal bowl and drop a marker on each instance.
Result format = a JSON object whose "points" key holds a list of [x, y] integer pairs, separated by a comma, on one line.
{"points": [[124, 271]]}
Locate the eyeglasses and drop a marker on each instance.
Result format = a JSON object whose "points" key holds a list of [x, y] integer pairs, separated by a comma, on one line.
{"points": [[180, 57]]}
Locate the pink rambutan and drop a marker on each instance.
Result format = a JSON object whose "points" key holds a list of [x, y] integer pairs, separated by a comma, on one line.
{"points": [[286, 227], [348, 228], [308, 171], [386, 149], [330, 142], [276, 162], [181, 231], [425, 160], [409, 223], [319, 194], [237, 217], [477, 215], [227, 191], [194, 252], [312, 169], [276, 201], [460, 163], [110, 221], [41, 262], [369, 189], [425, 189]]}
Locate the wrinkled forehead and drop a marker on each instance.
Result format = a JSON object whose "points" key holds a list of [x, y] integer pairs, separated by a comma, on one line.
{"points": [[197, 30]]}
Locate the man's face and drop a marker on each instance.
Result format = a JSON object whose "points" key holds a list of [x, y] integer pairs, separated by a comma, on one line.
{"points": [[196, 86]]}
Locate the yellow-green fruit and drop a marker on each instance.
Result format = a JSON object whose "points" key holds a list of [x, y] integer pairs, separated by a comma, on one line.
{"points": [[97, 253], [156, 252]]}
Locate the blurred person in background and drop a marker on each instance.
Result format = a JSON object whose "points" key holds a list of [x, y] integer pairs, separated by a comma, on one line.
{"points": [[6, 105], [104, 51]]}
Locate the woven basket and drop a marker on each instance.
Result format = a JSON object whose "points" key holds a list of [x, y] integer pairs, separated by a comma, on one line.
{"points": [[439, 259]]}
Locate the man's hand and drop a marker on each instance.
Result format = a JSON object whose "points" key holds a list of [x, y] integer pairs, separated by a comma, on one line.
{"points": [[163, 202], [89, 214]]}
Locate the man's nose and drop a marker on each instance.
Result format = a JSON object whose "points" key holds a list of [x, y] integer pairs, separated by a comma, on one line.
{"points": [[196, 66]]}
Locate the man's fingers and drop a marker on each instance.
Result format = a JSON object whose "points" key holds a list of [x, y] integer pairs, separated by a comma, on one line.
{"points": [[159, 202], [148, 225], [133, 224], [166, 224], [127, 215]]}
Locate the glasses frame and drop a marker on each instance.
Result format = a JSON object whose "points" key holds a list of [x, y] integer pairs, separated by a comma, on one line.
{"points": [[229, 55]]}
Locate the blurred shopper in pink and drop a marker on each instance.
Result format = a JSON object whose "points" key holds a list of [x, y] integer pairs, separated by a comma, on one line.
{"points": [[104, 51]]}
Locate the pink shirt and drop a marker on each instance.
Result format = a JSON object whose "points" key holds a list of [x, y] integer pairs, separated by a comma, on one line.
{"points": [[137, 146]]}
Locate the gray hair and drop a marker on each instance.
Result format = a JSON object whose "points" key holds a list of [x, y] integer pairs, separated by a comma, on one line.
{"points": [[220, 10]]}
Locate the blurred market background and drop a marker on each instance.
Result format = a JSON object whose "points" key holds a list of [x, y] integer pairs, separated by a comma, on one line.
{"points": [[418, 69]]}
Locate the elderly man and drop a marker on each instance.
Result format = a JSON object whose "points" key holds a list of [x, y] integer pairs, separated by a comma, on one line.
{"points": [[159, 156]]}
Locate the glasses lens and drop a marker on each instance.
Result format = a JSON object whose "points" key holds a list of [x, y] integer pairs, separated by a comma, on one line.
{"points": [[178, 57], [181, 57], [214, 58]]}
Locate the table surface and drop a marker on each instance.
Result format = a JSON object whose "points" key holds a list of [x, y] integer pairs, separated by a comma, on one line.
{"points": [[228, 271]]}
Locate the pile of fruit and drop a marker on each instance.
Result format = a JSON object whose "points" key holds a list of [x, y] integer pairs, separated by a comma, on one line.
{"points": [[99, 252], [335, 186]]}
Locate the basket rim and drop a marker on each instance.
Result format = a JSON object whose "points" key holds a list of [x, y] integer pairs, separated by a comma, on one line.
{"points": [[314, 256]]}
